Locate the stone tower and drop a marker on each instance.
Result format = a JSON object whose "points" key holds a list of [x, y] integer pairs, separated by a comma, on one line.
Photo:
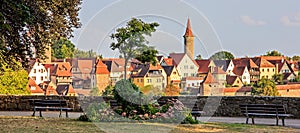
{"points": [[189, 40]]}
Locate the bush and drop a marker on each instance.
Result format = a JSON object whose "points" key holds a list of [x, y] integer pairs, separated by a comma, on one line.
{"points": [[189, 120], [99, 112]]}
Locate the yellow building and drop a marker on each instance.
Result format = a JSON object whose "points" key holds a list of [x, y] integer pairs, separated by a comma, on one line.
{"points": [[267, 69], [173, 76], [289, 90], [147, 75]]}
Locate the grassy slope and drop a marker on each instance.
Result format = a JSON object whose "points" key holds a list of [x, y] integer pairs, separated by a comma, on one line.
{"points": [[35, 124]]}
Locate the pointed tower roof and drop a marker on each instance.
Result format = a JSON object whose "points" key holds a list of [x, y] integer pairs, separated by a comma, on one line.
{"points": [[101, 68], [188, 32]]}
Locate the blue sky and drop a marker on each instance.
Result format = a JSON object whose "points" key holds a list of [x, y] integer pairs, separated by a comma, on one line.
{"points": [[243, 27]]}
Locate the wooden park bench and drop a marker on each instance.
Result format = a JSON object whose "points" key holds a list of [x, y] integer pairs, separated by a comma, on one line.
{"points": [[196, 113], [264, 110], [49, 105]]}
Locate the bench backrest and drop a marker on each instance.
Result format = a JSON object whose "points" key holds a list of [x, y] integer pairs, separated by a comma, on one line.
{"points": [[53, 103], [263, 108]]}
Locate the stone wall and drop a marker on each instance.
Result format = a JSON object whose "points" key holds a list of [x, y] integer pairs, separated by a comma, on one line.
{"points": [[213, 105]]}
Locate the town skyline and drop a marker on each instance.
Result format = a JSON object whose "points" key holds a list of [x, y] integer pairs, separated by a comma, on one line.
{"points": [[274, 29]]}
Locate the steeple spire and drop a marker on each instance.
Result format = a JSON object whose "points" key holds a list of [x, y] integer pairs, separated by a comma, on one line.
{"points": [[188, 32]]}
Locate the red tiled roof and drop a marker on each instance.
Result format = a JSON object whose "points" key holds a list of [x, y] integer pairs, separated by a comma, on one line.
{"points": [[261, 62], [177, 57], [239, 70], [238, 89], [217, 70], [203, 65], [188, 31], [101, 68], [289, 86], [230, 79], [38, 89]]}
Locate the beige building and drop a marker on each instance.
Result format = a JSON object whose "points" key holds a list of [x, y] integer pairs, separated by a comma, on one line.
{"points": [[102, 75]]}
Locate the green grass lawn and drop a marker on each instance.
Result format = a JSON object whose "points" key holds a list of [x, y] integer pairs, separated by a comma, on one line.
{"points": [[36, 124]]}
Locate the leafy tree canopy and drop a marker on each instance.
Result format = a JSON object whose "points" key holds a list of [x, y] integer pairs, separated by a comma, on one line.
{"points": [[85, 54], [130, 40], [296, 58], [265, 87], [62, 49], [148, 56], [34, 24], [222, 55], [273, 53], [199, 57], [13, 81]]}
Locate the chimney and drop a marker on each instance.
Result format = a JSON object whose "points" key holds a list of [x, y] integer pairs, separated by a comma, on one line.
{"points": [[276, 68]]}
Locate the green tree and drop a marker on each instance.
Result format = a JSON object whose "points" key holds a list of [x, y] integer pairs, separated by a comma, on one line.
{"points": [[265, 87], [199, 57], [273, 53], [27, 24], [130, 40], [108, 91], [296, 58], [85, 54], [13, 80], [148, 56], [95, 92], [222, 55], [63, 48], [278, 78]]}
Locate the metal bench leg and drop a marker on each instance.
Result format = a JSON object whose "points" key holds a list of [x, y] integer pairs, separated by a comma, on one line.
{"points": [[59, 114], [67, 114], [252, 120], [277, 119], [283, 122], [247, 120], [33, 112], [41, 113]]}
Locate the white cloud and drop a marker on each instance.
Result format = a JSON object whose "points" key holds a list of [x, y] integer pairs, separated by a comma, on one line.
{"points": [[250, 21], [293, 20]]}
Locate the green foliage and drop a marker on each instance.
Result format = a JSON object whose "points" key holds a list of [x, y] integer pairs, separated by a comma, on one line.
{"points": [[278, 78], [199, 57], [35, 23], [265, 87], [273, 53], [130, 40], [13, 81], [190, 120], [296, 58], [222, 55], [85, 54], [95, 92], [63, 48], [99, 112], [148, 56], [108, 91]]}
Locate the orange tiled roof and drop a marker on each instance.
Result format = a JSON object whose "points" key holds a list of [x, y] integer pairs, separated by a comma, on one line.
{"points": [[157, 67], [188, 31], [63, 69], [289, 86], [101, 68], [238, 89], [38, 89], [209, 79], [194, 78], [71, 89], [261, 62], [51, 89], [168, 61]]}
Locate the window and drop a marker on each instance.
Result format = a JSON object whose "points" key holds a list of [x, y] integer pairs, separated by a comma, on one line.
{"points": [[287, 90], [186, 67], [267, 76], [267, 70], [42, 78], [238, 81], [149, 80], [193, 84], [273, 70], [174, 72], [34, 70], [137, 80], [34, 78], [263, 70], [244, 77], [185, 74], [191, 67]]}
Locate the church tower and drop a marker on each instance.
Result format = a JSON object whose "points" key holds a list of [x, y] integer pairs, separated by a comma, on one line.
{"points": [[189, 40], [47, 54]]}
